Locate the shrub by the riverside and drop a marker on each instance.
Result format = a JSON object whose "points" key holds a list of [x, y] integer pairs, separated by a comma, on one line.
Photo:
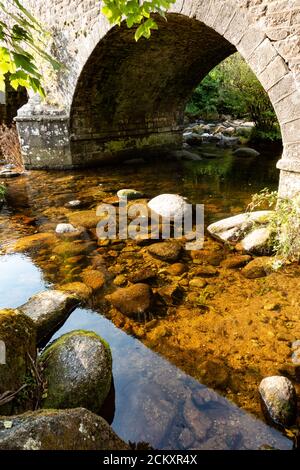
{"points": [[284, 223]]}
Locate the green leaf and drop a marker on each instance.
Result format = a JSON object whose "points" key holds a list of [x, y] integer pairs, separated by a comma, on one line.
{"points": [[19, 78], [139, 32]]}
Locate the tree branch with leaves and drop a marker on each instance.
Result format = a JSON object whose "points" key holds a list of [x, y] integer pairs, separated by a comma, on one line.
{"points": [[22, 40], [136, 13]]}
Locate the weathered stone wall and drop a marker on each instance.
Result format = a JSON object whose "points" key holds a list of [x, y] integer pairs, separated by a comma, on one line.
{"points": [[110, 98]]}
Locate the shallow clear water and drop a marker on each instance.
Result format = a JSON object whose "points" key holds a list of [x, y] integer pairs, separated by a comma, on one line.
{"points": [[154, 401]]}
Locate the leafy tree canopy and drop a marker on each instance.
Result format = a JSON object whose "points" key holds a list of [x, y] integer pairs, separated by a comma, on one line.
{"points": [[22, 39], [136, 13]]}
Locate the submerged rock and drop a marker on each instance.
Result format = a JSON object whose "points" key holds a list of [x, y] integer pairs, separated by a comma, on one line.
{"points": [[78, 371], [259, 267], [67, 249], [81, 290], [279, 399], [196, 419], [197, 283], [166, 251], [17, 346], [205, 271], [296, 352], [142, 275], [75, 429], [245, 152], [93, 279], [192, 138], [176, 269], [33, 242], [48, 310], [133, 300], [207, 256], [169, 205], [171, 294], [86, 219], [236, 261]]}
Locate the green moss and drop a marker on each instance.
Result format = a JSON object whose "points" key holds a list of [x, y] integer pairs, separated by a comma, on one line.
{"points": [[19, 335], [89, 392]]}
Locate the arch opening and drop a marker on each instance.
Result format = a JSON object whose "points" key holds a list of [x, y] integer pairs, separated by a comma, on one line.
{"points": [[132, 96]]}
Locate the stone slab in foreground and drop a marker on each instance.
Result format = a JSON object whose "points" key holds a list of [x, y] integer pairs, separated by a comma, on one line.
{"points": [[48, 310], [76, 429]]}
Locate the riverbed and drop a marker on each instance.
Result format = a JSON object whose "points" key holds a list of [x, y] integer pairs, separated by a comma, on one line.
{"points": [[227, 335]]}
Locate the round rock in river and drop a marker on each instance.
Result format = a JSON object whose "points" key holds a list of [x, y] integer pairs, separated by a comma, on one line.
{"points": [[169, 205], [78, 370], [278, 399], [133, 300]]}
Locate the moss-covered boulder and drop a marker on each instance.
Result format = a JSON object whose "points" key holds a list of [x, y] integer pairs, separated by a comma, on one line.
{"points": [[48, 310], [78, 371], [18, 349], [75, 429]]}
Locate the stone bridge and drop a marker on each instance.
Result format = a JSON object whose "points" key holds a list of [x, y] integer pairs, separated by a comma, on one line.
{"points": [[114, 95]]}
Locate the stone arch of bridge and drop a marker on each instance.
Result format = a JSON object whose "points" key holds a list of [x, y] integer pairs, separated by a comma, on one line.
{"points": [[126, 96]]}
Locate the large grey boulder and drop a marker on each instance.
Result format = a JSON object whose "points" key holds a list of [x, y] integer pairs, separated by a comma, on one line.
{"points": [[48, 310], [279, 399], [78, 371], [75, 429]]}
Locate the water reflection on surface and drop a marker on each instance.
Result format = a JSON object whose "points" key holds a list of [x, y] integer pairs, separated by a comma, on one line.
{"points": [[19, 280]]}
